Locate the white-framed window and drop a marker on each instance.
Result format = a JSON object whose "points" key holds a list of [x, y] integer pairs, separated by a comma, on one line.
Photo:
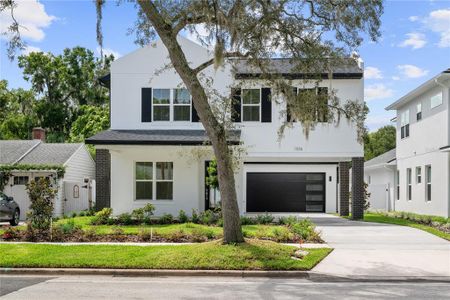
{"points": [[404, 124], [398, 184], [161, 104], [436, 100], [408, 183], [428, 183], [251, 105], [164, 181], [181, 105], [20, 180], [144, 180], [154, 180], [418, 175], [419, 111]]}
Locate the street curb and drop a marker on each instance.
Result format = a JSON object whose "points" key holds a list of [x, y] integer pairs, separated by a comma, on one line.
{"points": [[310, 275]]}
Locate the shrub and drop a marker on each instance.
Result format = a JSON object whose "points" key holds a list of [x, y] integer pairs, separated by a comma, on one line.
{"points": [[166, 219], [57, 234], [220, 222], [30, 234], [74, 214], [195, 218], [208, 217], [265, 219], [68, 227], [281, 234], [138, 215], [149, 209], [287, 220], [90, 234], [145, 235], [124, 219], [82, 213], [102, 217], [182, 217], [303, 229], [41, 209], [177, 235], [10, 233], [247, 220]]}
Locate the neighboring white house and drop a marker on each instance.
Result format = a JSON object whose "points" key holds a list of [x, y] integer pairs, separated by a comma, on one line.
{"points": [[379, 174], [75, 187], [154, 151], [422, 179]]}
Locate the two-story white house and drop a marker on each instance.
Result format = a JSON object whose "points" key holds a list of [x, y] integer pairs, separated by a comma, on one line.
{"points": [[420, 170], [155, 150]]}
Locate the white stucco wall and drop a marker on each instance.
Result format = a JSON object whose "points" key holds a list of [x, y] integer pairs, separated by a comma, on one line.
{"points": [[381, 186]]}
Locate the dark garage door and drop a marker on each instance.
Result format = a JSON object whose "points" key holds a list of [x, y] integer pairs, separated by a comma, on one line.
{"points": [[285, 192]]}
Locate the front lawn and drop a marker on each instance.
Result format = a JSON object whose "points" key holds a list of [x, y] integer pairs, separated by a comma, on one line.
{"points": [[382, 218], [252, 255]]}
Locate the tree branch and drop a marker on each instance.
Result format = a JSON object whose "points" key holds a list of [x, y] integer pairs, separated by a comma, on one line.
{"points": [[208, 63]]}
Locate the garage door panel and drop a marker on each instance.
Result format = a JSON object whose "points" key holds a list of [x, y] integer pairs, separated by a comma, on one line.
{"points": [[285, 192]]}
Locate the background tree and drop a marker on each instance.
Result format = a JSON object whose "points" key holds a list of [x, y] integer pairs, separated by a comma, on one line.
{"points": [[379, 142]]}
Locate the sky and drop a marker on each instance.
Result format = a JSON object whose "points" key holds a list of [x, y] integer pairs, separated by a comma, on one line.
{"points": [[414, 47]]}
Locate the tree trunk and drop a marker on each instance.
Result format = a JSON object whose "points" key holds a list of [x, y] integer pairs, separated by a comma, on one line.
{"points": [[232, 232]]}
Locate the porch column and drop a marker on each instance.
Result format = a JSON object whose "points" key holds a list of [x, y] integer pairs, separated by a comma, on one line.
{"points": [[344, 190], [357, 188], [102, 179]]}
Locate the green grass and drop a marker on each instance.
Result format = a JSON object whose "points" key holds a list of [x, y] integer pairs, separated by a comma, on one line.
{"points": [[252, 255], [378, 218]]}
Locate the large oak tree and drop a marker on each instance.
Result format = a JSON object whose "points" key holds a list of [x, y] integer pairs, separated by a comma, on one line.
{"points": [[314, 35]]}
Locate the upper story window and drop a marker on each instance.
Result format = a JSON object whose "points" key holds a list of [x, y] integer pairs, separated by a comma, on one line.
{"points": [[161, 104], [419, 112], [251, 105], [181, 105], [436, 100], [321, 110], [404, 124]]}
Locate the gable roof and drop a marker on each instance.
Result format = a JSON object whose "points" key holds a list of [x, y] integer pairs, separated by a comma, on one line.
{"points": [[157, 137], [36, 152], [420, 89], [382, 160], [12, 150]]}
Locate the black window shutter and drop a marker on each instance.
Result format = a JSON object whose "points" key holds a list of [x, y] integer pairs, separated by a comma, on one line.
{"points": [[266, 105], [288, 113], [236, 97], [146, 105], [194, 114]]}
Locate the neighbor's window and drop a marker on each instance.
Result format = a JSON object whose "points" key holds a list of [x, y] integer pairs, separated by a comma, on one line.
{"points": [[404, 123], [398, 184], [251, 104], [418, 175], [144, 181], [20, 180], [419, 112], [164, 181], [436, 100], [428, 181], [161, 104], [408, 183], [181, 105]]}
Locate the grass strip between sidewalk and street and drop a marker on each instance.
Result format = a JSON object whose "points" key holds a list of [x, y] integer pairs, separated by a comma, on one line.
{"points": [[252, 255], [379, 218]]}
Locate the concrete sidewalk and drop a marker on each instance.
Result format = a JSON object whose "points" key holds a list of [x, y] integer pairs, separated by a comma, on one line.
{"points": [[377, 250]]}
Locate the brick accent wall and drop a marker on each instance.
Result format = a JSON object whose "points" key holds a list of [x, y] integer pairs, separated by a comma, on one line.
{"points": [[357, 188], [344, 188], [102, 178]]}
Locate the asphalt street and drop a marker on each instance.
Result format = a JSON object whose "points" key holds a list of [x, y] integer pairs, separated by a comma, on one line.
{"points": [[109, 287]]}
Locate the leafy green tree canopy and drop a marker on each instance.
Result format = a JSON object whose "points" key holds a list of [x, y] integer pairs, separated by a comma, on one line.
{"points": [[379, 142]]}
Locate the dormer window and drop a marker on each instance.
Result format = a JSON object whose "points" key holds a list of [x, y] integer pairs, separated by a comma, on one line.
{"points": [[404, 124]]}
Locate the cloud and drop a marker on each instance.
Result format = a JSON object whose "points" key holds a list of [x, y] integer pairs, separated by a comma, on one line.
{"points": [[411, 71], [439, 21], [372, 73], [378, 121], [395, 78], [32, 18], [377, 91], [30, 49], [415, 40], [413, 18], [109, 51]]}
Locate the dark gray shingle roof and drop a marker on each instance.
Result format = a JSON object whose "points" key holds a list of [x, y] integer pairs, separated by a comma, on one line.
{"points": [[54, 154], [12, 150], [157, 137], [384, 158], [348, 68]]}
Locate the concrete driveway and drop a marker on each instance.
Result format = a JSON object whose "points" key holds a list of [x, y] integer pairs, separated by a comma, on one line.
{"points": [[373, 249]]}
